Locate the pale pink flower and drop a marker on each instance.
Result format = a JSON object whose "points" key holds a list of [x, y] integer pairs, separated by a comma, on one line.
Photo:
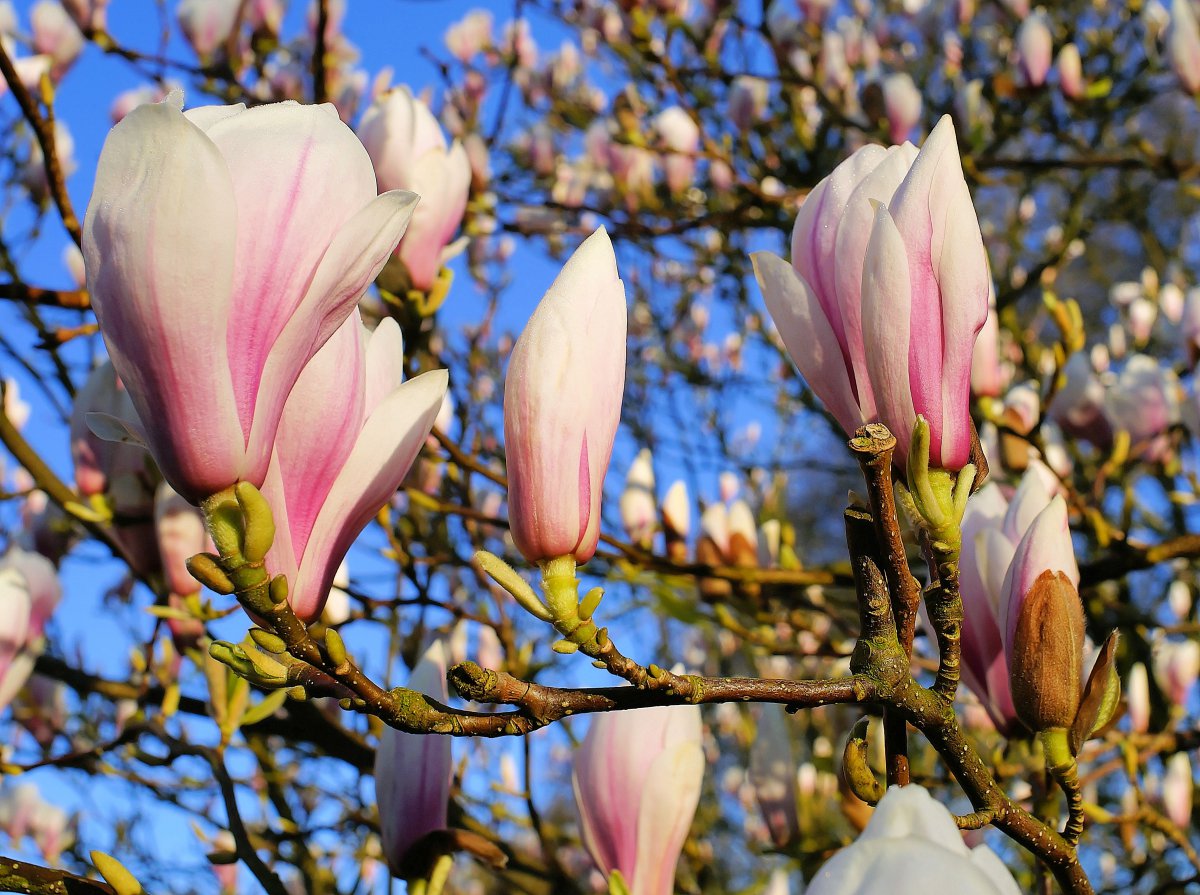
{"points": [[816, 302], [350, 431], [29, 593], [270, 214], [903, 103], [470, 35], [1145, 401], [637, 782], [109, 466], [773, 773], [409, 152], [1177, 666], [562, 405], [925, 286], [1178, 787], [1070, 72], [988, 377], [179, 528], [413, 772], [680, 136], [747, 102], [1137, 698], [56, 35], [207, 24], [1035, 48], [1078, 406], [639, 506]]}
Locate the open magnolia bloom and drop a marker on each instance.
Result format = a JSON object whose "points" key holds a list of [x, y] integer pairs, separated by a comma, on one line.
{"points": [[349, 433], [911, 846], [223, 247]]}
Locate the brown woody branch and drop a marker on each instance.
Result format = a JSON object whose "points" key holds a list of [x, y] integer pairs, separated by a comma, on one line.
{"points": [[18, 876]]}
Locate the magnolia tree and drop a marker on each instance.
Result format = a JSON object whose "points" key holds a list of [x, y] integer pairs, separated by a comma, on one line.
{"points": [[309, 506]]}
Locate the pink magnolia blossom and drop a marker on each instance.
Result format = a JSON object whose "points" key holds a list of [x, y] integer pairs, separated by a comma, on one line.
{"points": [[207, 24], [124, 471], [56, 35], [637, 781], [912, 846], [562, 405], [409, 152], [29, 593], [1177, 666], [639, 506], [1035, 48], [903, 103], [1178, 787], [680, 136], [1044, 547], [470, 35], [1070, 72], [269, 214], [747, 101], [349, 434], [816, 302], [1137, 698], [87, 14], [925, 286], [1145, 401], [1183, 45], [413, 772]]}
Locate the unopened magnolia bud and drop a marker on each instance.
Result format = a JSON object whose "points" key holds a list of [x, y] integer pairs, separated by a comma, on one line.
{"points": [[122, 881], [259, 525], [1046, 663], [204, 568]]}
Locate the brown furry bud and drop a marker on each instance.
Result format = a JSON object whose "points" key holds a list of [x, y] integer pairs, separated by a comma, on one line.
{"points": [[1046, 659]]}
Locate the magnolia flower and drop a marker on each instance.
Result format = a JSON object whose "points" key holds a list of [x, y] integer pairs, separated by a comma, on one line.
{"points": [[1070, 72], [1177, 789], [1177, 666], [179, 528], [1145, 402], [348, 435], [911, 846], [680, 136], [207, 24], [747, 101], [637, 781], [56, 35], [1041, 620], [562, 404], [413, 773], [223, 247], [816, 302], [638, 503], [1137, 698], [409, 152], [1183, 45], [988, 378], [909, 280], [469, 35], [123, 471], [925, 289], [903, 103], [1035, 47], [1078, 406], [29, 593]]}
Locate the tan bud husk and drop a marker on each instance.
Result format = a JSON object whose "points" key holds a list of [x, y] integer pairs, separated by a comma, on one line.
{"points": [[1046, 666], [1101, 695]]}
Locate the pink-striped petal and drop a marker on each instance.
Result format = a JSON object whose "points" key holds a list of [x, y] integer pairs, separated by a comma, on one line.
{"points": [[161, 285]]}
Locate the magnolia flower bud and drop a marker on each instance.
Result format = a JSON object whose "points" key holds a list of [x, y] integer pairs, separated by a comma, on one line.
{"points": [[1034, 48], [638, 503], [412, 775], [1177, 789], [1046, 658], [1070, 72], [637, 781], [903, 103], [562, 404], [1137, 697]]}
